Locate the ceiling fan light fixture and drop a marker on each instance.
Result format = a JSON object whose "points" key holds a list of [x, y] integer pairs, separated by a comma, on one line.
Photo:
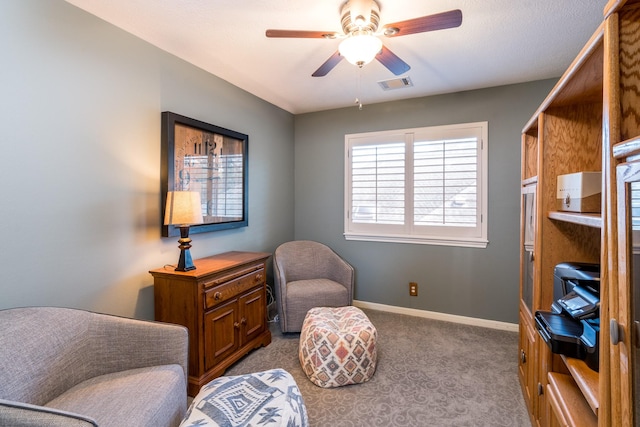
{"points": [[360, 47]]}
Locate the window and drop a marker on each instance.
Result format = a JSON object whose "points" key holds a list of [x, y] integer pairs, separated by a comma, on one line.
{"points": [[426, 185]]}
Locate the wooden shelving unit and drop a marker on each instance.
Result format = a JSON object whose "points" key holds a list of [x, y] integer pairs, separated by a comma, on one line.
{"points": [[590, 121], [564, 136]]}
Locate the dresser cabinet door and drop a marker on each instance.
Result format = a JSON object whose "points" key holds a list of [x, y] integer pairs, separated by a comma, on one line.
{"points": [[221, 333], [253, 314]]}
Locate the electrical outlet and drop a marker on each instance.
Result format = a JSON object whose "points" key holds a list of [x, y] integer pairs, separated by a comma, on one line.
{"points": [[413, 289]]}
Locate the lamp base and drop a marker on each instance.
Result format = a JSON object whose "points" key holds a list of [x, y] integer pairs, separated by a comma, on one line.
{"points": [[185, 263]]}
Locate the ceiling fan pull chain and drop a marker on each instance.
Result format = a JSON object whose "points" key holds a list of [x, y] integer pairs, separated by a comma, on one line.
{"points": [[358, 80]]}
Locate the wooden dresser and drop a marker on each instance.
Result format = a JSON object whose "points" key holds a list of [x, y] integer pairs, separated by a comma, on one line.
{"points": [[223, 303]]}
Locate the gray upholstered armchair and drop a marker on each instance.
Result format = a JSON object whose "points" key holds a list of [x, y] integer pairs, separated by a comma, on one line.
{"points": [[67, 367], [309, 274]]}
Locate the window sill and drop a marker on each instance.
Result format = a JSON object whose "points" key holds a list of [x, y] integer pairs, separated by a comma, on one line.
{"points": [[419, 240]]}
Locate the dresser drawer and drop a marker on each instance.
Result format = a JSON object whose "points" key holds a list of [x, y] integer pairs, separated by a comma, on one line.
{"points": [[232, 288]]}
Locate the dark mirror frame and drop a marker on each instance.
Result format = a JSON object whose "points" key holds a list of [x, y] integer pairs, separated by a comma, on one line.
{"points": [[168, 166]]}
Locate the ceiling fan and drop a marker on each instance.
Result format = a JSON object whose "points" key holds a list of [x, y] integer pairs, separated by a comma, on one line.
{"points": [[361, 39]]}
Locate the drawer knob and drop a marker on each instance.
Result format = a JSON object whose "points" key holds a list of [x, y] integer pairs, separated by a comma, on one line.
{"points": [[523, 357], [243, 321], [217, 296], [236, 325], [259, 276]]}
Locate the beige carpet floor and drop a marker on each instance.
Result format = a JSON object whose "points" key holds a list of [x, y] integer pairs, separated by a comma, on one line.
{"points": [[430, 373]]}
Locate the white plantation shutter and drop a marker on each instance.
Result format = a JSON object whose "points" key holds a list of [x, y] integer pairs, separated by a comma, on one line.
{"points": [[424, 185], [445, 182], [378, 183]]}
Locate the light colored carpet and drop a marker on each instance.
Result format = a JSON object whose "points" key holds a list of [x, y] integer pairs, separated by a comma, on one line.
{"points": [[430, 373]]}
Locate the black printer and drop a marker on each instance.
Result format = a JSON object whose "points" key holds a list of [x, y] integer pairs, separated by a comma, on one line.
{"points": [[572, 327]]}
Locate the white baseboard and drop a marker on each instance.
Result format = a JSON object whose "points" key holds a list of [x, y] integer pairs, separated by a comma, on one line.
{"points": [[493, 324]]}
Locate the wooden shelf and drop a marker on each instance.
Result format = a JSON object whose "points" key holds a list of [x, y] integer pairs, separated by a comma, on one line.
{"points": [[586, 219], [586, 379], [568, 403]]}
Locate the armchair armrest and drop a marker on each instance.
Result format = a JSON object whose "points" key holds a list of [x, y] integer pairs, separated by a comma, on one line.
{"points": [[119, 344], [18, 414], [342, 272]]}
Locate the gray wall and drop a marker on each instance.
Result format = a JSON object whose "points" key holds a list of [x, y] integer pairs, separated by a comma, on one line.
{"points": [[80, 212], [80, 104], [481, 283]]}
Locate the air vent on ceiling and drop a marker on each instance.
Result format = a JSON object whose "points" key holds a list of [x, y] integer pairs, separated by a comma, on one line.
{"points": [[395, 83]]}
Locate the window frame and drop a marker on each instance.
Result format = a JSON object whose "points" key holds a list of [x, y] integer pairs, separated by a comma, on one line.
{"points": [[445, 235]]}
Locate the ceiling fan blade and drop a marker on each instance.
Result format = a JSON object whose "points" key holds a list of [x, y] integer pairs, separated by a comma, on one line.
{"points": [[439, 21], [328, 65], [390, 60], [301, 34]]}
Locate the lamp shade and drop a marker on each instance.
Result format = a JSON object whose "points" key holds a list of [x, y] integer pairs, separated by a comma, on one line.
{"points": [[360, 47], [183, 208]]}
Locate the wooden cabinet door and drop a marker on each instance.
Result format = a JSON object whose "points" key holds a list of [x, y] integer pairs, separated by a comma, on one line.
{"points": [[526, 361], [253, 314], [625, 302], [543, 357], [221, 333]]}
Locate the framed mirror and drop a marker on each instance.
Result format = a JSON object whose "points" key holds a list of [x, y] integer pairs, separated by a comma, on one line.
{"points": [[198, 156]]}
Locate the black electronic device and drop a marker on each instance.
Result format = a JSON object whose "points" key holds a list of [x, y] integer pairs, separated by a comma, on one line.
{"points": [[572, 327], [567, 275], [581, 302], [571, 337]]}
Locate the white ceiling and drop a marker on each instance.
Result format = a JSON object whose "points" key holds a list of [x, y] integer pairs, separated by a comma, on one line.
{"points": [[499, 42]]}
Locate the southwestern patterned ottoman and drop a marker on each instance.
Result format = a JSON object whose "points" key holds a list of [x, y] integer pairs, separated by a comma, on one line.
{"points": [[337, 346], [269, 398]]}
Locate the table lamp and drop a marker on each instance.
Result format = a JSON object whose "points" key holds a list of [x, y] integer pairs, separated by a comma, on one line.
{"points": [[183, 210]]}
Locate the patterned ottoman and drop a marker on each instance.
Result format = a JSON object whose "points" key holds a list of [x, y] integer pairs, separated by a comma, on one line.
{"points": [[264, 398], [337, 346]]}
